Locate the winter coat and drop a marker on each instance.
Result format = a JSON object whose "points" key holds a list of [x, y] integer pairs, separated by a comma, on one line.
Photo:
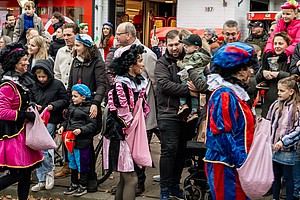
{"points": [[78, 118], [14, 151], [259, 40], [8, 31], [52, 93], [19, 32], [55, 45], [271, 93], [294, 69], [293, 30], [282, 127], [62, 65], [90, 73], [169, 88]]}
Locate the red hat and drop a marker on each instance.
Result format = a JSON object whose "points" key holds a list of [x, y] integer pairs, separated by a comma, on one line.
{"points": [[292, 4]]}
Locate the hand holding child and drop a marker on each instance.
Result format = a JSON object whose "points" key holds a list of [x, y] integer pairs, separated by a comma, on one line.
{"points": [[77, 131]]}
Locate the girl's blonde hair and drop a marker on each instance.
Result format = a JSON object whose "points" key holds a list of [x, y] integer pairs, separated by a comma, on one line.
{"points": [[42, 45], [291, 82]]}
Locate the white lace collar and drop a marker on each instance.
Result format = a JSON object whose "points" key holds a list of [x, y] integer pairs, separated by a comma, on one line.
{"points": [[215, 80]]}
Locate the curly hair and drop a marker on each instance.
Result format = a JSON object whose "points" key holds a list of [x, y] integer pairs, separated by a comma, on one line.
{"points": [[120, 66], [10, 55]]}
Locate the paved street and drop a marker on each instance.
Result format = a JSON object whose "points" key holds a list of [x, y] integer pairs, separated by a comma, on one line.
{"points": [[151, 193]]}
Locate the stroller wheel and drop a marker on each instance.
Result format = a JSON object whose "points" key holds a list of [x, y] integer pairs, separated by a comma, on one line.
{"points": [[193, 193], [207, 195]]}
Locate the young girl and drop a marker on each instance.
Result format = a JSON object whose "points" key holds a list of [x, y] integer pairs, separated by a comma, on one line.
{"points": [[83, 128], [37, 50], [285, 131], [288, 23], [51, 93]]}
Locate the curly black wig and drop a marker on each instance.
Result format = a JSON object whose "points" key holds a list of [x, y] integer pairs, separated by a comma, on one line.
{"points": [[121, 65], [10, 55]]}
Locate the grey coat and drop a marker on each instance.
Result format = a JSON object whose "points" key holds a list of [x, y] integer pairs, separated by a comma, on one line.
{"points": [[19, 28]]}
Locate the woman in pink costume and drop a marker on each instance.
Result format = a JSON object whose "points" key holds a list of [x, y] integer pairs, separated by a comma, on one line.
{"points": [[16, 159]]}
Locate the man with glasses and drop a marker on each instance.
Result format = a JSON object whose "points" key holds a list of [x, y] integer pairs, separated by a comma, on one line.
{"points": [[126, 36]]}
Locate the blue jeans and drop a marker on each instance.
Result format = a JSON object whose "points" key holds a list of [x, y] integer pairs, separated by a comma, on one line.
{"points": [[48, 163], [296, 174], [281, 170]]}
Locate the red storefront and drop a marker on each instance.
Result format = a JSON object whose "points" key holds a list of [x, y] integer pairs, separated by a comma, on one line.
{"points": [[75, 10]]}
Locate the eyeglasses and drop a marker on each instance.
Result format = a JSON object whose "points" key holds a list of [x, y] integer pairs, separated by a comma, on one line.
{"points": [[120, 33], [230, 34]]}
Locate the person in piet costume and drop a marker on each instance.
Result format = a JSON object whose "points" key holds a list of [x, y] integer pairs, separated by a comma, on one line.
{"points": [[230, 125], [16, 159]]}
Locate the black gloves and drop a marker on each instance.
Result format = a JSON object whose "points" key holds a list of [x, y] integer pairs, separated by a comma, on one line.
{"points": [[282, 57], [30, 116]]}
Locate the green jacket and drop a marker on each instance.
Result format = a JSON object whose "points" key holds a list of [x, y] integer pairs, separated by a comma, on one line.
{"points": [[259, 40]]}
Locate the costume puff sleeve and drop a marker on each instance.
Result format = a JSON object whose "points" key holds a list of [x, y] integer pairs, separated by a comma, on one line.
{"points": [[224, 124], [124, 106]]}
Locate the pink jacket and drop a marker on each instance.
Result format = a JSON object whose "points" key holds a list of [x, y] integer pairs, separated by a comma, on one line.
{"points": [[9, 102], [293, 30]]}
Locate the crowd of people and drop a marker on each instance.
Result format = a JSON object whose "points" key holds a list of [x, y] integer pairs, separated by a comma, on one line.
{"points": [[148, 91]]}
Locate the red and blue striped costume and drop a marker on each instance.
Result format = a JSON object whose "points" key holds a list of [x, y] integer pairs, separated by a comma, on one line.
{"points": [[230, 132]]}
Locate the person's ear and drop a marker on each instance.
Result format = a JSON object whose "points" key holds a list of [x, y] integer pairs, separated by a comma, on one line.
{"points": [[292, 91]]}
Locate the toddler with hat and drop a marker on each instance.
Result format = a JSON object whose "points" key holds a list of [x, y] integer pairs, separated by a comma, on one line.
{"points": [[197, 58], [83, 127]]}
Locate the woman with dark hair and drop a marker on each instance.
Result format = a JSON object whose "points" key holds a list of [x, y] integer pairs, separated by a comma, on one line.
{"points": [[129, 86], [273, 70], [230, 120], [16, 159], [107, 38], [88, 68], [57, 20]]}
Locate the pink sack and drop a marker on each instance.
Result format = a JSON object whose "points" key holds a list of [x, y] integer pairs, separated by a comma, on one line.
{"points": [[256, 174], [37, 135], [136, 137]]}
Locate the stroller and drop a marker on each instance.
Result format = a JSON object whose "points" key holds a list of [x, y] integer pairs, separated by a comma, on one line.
{"points": [[195, 185]]}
